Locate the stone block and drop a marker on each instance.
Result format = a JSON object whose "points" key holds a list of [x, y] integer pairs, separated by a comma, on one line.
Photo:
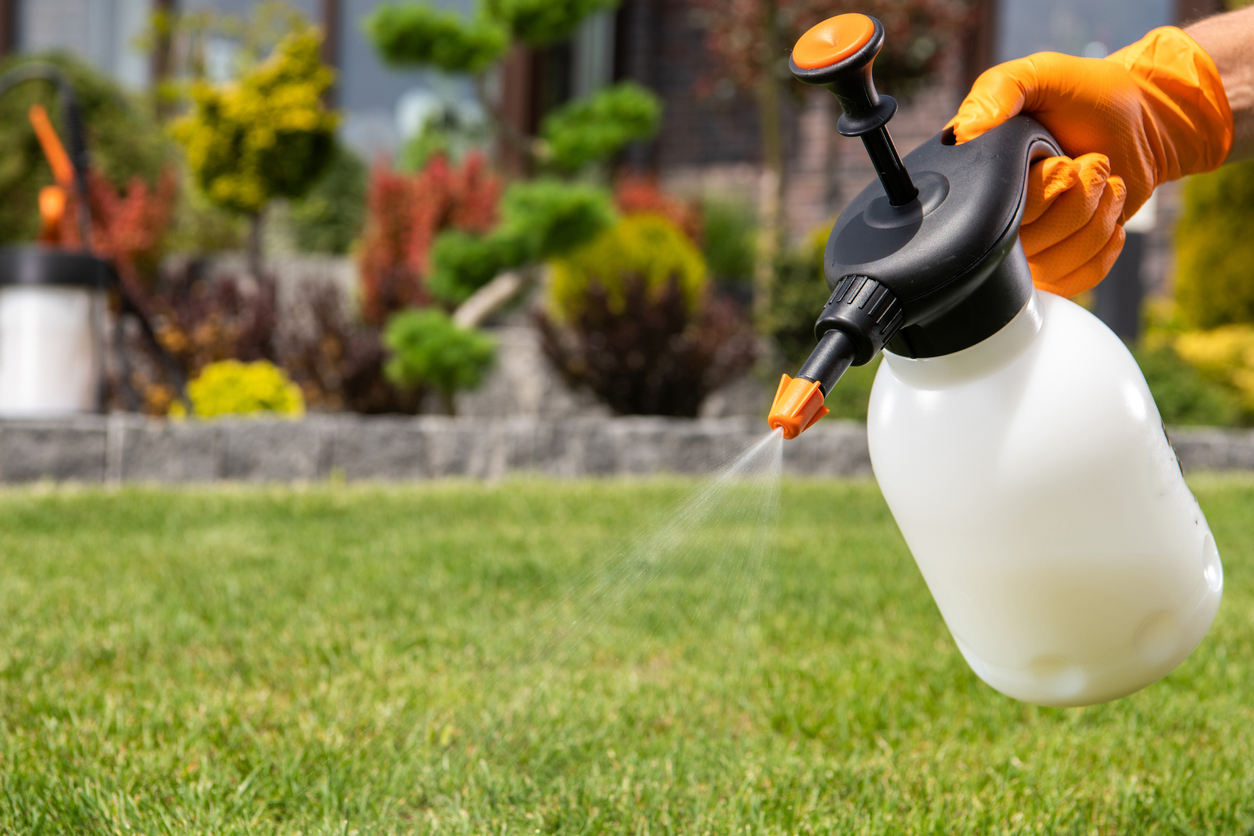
{"points": [[62, 449], [264, 450], [380, 448], [1208, 448], [830, 448], [599, 446], [452, 446], [150, 450]]}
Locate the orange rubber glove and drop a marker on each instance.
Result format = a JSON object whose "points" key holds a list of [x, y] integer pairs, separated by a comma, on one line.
{"points": [[1151, 112]]}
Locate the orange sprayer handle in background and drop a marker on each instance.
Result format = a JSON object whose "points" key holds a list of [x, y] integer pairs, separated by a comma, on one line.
{"points": [[53, 150], [52, 199]]}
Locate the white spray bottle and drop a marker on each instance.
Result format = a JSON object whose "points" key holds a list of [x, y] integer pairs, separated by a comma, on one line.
{"points": [[1012, 434]]}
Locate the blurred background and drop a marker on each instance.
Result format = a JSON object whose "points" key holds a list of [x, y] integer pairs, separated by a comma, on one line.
{"points": [[535, 207]]}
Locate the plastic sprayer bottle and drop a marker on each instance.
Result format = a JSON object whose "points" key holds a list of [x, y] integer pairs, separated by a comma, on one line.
{"points": [[1012, 434]]}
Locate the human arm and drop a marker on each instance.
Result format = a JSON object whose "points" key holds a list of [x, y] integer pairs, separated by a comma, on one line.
{"points": [[1229, 40]]}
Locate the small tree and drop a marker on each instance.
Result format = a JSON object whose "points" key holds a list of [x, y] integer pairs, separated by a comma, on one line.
{"points": [[264, 136], [551, 216]]}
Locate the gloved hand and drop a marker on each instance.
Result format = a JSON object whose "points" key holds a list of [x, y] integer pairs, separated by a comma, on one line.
{"points": [[1151, 112]]}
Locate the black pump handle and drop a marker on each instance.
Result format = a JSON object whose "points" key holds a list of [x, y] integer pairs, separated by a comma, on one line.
{"points": [[853, 41]]}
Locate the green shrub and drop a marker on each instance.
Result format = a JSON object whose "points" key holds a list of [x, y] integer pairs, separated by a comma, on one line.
{"points": [[648, 247], [330, 217], [1184, 395], [729, 236], [598, 126], [428, 348], [122, 136], [797, 299], [230, 387], [1215, 248]]}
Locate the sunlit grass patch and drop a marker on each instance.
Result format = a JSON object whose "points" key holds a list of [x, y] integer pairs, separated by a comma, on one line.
{"points": [[457, 658]]}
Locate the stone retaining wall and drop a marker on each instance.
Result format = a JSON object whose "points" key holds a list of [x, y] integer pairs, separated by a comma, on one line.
{"points": [[124, 448]]}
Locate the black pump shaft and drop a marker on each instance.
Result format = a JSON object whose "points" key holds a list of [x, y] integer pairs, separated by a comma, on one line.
{"points": [[838, 54]]}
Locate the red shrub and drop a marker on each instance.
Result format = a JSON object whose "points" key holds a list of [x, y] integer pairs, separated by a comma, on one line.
{"points": [[404, 214], [129, 228], [634, 194]]}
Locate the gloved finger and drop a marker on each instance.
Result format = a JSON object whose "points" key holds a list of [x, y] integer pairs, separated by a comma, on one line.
{"points": [[1047, 179], [1063, 200], [1078, 248], [998, 94], [1089, 274]]}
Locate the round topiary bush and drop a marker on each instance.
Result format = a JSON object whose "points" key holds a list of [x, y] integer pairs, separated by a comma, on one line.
{"points": [[1215, 248]]}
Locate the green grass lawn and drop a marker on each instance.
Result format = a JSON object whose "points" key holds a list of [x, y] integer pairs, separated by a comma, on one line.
{"points": [[462, 658]]}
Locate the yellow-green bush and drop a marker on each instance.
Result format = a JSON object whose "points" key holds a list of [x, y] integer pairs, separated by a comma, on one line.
{"points": [[1225, 354], [234, 388], [267, 135], [1215, 248], [648, 246]]}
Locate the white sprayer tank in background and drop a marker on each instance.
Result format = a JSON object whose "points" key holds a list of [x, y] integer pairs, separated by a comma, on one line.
{"points": [[1033, 481], [51, 342]]}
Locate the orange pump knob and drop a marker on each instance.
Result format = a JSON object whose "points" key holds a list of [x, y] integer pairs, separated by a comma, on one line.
{"points": [[832, 41], [798, 405]]}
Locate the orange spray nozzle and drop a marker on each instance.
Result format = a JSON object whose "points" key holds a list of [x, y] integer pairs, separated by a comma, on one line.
{"points": [[798, 405]]}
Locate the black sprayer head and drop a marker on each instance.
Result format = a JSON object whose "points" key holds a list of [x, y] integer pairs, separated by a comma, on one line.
{"points": [[926, 275]]}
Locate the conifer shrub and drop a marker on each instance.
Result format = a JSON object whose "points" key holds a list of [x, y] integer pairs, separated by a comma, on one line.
{"points": [[429, 349], [630, 317], [267, 135], [330, 217], [649, 352], [643, 248]]}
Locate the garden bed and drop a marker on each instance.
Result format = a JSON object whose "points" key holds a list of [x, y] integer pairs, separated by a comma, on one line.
{"points": [[123, 448]]}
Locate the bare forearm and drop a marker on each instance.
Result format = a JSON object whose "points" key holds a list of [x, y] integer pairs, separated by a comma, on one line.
{"points": [[1229, 40]]}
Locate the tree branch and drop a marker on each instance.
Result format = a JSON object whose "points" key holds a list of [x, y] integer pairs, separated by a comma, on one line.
{"points": [[495, 295]]}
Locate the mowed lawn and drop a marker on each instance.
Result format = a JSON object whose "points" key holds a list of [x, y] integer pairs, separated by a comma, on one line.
{"points": [[462, 658]]}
